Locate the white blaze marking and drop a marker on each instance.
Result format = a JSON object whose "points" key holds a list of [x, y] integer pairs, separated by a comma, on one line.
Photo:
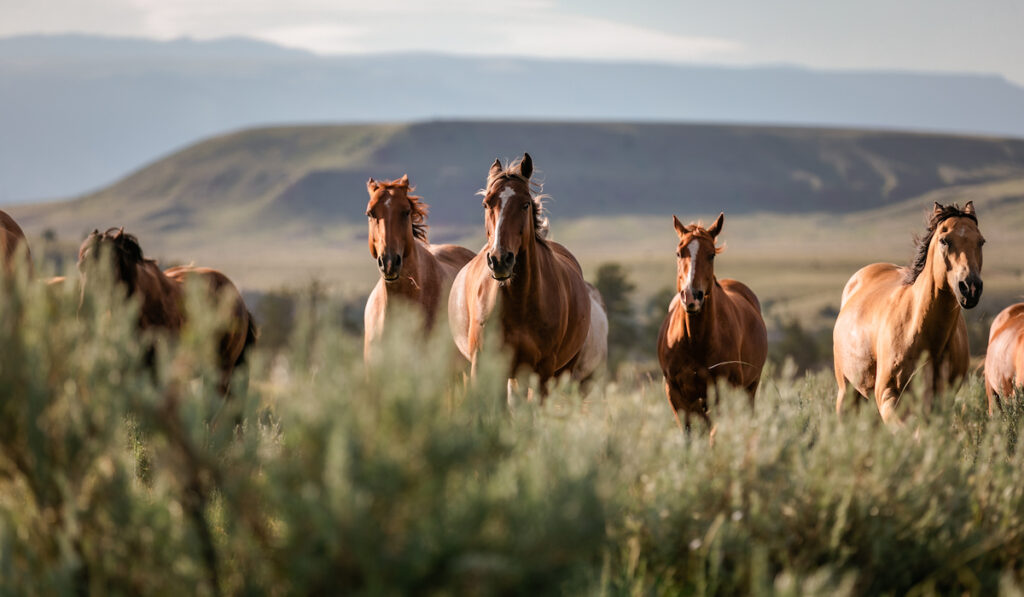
{"points": [[693, 248], [962, 232], [503, 196]]}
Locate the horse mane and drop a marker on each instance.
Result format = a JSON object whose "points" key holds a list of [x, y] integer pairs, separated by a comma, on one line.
{"points": [[921, 243], [418, 207], [511, 171]]}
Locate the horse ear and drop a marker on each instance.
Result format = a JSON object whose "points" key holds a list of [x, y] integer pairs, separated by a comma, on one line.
{"points": [[404, 181], [680, 229], [938, 208], [969, 208], [526, 166], [495, 169], [371, 185], [716, 228]]}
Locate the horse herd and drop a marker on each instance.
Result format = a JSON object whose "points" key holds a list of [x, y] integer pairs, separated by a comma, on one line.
{"points": [[894, 322]]}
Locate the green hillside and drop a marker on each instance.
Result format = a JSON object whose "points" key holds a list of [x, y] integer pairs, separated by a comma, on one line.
{"points": [[805, 207]]}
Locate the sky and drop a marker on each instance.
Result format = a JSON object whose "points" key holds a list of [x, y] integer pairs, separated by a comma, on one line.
{"points": [[978, 36]]}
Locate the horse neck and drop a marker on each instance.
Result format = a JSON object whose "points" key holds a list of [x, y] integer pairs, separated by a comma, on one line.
{"points": [[162, 297], [697, 327], [525, 289], [934, 303]]}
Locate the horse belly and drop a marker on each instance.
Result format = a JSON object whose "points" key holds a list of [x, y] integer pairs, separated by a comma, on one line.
{"points": [[853, 346], [458, 313]]}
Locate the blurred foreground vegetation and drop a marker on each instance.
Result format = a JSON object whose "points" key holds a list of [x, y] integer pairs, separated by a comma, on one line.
{"points": [[397, 479]]}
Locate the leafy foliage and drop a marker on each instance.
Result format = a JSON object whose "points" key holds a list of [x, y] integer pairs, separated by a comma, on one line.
{"points": [[394, 478]]}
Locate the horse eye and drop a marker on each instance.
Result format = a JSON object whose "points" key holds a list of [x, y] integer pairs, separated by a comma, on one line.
{"points": [[981, 243], [526, 206], [711, 257], [369, 214], [944, 241], [405, 214]]}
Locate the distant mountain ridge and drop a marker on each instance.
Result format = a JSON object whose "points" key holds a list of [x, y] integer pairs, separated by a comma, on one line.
{"points": [[78, 111], [311, 179]]}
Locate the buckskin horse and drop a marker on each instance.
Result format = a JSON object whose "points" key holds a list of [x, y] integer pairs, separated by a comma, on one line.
{"points": [[714, 330], [12, 239], [412, 271], [162, 295], [526, 288], [892, 317], [1004, 359]]}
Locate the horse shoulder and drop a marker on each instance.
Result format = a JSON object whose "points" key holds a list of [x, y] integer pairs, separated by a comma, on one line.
{"points": [[373, 313], [470, 305]]}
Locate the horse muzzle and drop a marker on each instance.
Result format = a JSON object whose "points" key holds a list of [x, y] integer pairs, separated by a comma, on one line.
{"points": [[390, 266], [693, 300], [970, 291], [501, 267]]}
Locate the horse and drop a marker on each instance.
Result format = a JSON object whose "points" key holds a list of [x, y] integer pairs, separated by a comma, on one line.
{"points": [[1004, 359], [527, 288], [713, 331], [892, 317], [412, 271], [162, 295], [11, 240]]}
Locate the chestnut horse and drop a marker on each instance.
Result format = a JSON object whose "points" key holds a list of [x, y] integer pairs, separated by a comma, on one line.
{"points": [[11, 239], [1004, 360], [412, 271], [891, 317], [714, 330], [532, 289], [162, 294]]}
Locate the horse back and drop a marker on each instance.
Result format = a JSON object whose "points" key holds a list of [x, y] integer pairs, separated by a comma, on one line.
{"points": [[877, 277], [451, 258], [241, 330]]}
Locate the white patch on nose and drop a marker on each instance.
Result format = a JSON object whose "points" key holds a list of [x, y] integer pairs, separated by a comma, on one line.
{"points": [[694, 249], [504, 197], [961, 231]]}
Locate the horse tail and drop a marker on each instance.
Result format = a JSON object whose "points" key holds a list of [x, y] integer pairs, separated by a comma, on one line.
{"points": [[251, 335]]}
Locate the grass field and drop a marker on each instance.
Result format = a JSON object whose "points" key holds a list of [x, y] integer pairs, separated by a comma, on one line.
{"points": [[398, 479]]}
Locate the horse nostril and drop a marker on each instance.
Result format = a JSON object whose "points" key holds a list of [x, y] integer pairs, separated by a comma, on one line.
{"points": [[699, 295], [964, 288], [509, 258], [398, 261], [380, 262]]}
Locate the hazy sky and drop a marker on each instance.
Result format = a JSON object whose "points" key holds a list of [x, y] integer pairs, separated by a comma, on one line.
{"points": [[935, 35]]}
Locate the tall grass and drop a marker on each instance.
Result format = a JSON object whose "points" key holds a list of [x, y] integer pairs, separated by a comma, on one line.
{"points": [[397, 478]]}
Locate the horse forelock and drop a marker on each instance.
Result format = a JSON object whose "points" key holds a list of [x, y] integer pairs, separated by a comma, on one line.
{"points": [[922, 242], [698, 231], [535, 189], [418, 208]]}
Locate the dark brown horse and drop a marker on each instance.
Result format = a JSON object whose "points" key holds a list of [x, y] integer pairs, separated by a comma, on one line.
{"points": [[1004, 359], [892, 317], [13, 245], [714, 330], [162, 294], [412, 271], [527, 288]]}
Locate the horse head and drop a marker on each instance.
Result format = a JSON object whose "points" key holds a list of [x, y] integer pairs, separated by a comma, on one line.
{"points": [[956, 248], [695, 262], [512, 213], [396, 219], [119, 246]]}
